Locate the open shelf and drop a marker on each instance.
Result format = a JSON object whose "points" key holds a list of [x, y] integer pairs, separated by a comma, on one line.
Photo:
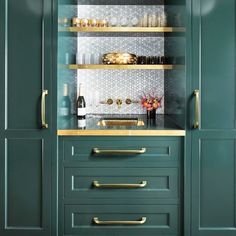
{"points": [[124, 29], [126, 67]]}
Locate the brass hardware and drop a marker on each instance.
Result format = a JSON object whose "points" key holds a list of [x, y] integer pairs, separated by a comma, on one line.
{"points": [[119, 103], [43, 109], [140, 185], [117, 122], [119, 222], [109, 101], [128, 101], [99, 151], [196, 94]]}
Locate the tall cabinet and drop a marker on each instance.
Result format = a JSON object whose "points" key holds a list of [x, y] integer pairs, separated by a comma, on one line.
{"points": [[213, 186], [25, 118]]}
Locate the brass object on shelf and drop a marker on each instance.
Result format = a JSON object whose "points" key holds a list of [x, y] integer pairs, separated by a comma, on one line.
{"points": [[119, 58], [120, 222], [102, 151], [120, 122], [142, 184]]}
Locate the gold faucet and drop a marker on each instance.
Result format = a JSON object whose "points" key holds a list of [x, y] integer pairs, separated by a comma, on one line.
{"points": [[119, 102]]}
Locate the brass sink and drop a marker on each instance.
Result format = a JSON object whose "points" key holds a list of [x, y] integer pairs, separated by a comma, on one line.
{"points": [[120, 122]]}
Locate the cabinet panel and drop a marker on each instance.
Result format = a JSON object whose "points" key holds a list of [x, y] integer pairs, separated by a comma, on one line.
{"points": [[161, 183], [160, 220], [214, 188], [25, 148], [23, 172], [214, 61]]}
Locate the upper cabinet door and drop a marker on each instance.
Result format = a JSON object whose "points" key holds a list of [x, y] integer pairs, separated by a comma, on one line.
{"points": [[213, 142], [25, 147]]}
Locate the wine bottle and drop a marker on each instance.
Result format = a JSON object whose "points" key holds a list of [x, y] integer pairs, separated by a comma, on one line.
{"points": [[65, 104], [81, 108]]}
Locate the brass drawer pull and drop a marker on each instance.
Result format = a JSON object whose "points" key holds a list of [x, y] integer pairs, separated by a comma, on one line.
{"points": [[43, 109], [196, 94], [140, 185], [99, 151], [119, 222]]}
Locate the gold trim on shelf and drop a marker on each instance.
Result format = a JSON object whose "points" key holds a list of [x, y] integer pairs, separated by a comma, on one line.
{"points": [[121, 132], [119, 222], [123, 29], [125, 67]]}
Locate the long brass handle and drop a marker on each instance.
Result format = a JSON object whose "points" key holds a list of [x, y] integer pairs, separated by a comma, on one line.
{"points": [[196, 94], [140, 185], [119, 222], [43, 109], [99, 151]]}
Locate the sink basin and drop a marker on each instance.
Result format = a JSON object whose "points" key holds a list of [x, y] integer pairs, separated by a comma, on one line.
{"points": [[120, 122]]}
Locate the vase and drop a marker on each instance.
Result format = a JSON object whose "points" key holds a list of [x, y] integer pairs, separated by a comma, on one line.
{"points": [[151, 115]]}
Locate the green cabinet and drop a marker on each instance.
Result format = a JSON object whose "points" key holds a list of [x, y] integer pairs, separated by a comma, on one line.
{"points": [[25, 148], [213, 188], [120, 184]]}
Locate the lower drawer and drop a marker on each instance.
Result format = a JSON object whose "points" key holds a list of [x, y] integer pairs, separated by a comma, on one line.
{"points": [[121, 220]]}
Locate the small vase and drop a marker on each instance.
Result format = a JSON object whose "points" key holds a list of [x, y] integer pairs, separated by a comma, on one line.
{"points": [[151, 115]]}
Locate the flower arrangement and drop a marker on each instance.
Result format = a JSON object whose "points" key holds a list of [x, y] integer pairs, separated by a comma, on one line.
{"points": [[151, 101]]}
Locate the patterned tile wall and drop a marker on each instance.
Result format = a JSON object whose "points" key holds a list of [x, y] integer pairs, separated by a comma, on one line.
{"points": [[103, 84]]}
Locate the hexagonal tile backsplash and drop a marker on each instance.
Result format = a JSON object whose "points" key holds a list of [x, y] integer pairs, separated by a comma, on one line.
{"points": [[99, 85]]}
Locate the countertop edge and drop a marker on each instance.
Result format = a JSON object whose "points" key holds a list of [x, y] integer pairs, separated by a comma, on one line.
{"points": [[121, 132]]}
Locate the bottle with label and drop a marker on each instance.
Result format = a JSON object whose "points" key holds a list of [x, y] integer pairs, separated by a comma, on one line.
{"points": [[81, 108], [65, 104]]}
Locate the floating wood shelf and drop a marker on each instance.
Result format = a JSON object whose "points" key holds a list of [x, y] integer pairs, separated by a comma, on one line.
{"points": [[126, 67], [124, 29]]}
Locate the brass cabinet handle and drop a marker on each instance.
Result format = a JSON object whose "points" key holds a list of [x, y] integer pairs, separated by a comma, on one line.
{"points": [[140, 185], [99, 151], [196, 94], [119, 222], [43, 109]]}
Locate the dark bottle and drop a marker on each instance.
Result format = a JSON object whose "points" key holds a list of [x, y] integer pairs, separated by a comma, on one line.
{"points": [[81, 108], [65, 104]]}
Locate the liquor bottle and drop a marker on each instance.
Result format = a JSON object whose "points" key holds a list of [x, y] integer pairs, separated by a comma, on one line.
{"points": [[65, 104], [81, 108]]}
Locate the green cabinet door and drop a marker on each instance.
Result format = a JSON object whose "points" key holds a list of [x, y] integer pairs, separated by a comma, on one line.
{"points": [[25, 148], [213, 206]]}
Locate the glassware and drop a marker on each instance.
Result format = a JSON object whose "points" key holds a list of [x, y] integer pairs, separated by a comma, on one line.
{"points": [[145, 20], [134, 21], [124, 21], [113, 21]]}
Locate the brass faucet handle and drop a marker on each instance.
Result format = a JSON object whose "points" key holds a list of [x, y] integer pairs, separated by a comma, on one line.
{"points": [[109, 101], [128, 101]]}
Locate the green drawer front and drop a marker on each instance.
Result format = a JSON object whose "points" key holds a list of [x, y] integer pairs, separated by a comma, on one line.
{"points": [[164, 152], [161, 183], [160, 220]]}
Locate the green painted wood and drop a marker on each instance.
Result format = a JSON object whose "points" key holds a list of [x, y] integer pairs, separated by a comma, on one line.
{"points": [[25, 156], [159, 151], [161, 183], [213, 144], [161, 219]]}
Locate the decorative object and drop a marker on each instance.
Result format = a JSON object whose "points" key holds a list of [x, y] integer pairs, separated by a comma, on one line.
{"points": [[119, 58], [151, 102]]}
